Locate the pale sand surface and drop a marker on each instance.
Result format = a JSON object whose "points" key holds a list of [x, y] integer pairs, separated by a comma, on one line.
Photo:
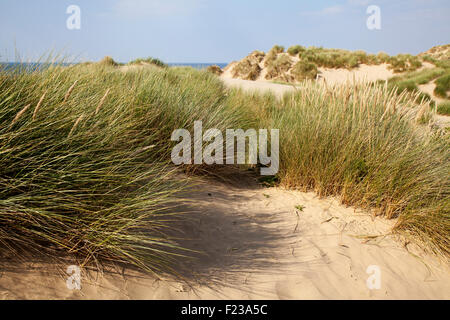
{"points": [[259, 85], [429, 88], [258, 246], [367, 73], [363, 73]]}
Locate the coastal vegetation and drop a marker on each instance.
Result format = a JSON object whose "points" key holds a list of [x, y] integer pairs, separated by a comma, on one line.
{"points": [[85, 153]]}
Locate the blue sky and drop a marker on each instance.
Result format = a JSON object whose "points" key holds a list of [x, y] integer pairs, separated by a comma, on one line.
{"points": [[215, 30]]}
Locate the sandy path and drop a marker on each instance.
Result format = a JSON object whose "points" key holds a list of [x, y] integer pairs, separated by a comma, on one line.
{"points": [[258, 85], [257, 245], [429, 89]]}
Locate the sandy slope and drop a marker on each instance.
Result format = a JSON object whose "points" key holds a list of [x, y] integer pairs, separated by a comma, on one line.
{"points": [[363, 73], [429, 88], [259, 85], [257, 245]]}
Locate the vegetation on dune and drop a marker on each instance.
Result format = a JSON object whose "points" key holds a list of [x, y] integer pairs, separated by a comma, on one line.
{"points": [[441, 52], [295, 50], [248, 68], [410, 81], [149, 60], [362, 144], [108, 61], [272, 55], [444, 108], [357, 143], [303, 71], [419, 77], [84, 157], [85, 154], [321, 58], [278, 68], [214, 69], [404, 63], [443, 86]]}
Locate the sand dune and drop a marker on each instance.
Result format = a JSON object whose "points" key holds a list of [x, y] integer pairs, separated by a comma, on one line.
{"points": [[364, 73], [257, 245]]}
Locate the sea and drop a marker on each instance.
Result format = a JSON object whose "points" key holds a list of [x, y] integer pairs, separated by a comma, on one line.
{"points": [[38, 65]]}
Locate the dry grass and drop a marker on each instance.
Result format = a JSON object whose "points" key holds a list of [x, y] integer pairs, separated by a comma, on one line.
{"points": [[363, 144]]}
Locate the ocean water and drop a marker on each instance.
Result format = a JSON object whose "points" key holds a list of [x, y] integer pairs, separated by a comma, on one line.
{"points": [[37, 65], [198, 65]]}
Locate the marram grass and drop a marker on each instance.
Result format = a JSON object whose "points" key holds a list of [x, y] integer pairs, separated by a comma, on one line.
{"points": [[365, 145], [85, 156]]}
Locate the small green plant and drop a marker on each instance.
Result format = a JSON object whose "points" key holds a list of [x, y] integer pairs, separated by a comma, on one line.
{"points": [[295, 50], [444, 108], [269, 181], [149, 60], [442, 86], [299, 207]]}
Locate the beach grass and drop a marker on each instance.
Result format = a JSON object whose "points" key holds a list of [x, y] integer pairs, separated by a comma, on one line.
{"points": [[364, 145], [149, 60], [443, 86], [84, 159], [85, 163]]}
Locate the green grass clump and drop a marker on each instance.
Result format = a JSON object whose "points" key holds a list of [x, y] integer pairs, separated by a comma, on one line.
{"points": [[295, 50], [404, 63], [420, 77], [272, 55], [84, 155], [411, 80], [337, 58], [149, 60], [214, 69], [302, 71], [382, 57], [443, 86], [277, 49], [444, 108]]}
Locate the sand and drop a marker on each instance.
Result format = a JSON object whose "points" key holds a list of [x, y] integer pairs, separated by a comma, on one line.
{"points": [[364, 73], [258, 85], [429, 89], [258, 245], [369, 73]]}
